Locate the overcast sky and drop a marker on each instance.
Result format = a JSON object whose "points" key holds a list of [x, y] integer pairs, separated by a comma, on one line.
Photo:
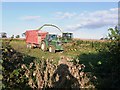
{"points": [[89, 20]]}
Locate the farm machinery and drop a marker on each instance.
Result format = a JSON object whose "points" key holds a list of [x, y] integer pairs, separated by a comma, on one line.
{"points": [[67, 37], [46, 41]]}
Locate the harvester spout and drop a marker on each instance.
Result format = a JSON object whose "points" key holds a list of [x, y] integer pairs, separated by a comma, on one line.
{"points": [[50, 25]]}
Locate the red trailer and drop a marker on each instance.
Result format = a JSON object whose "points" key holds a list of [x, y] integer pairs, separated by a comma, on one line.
{"points": [[34, 37]]}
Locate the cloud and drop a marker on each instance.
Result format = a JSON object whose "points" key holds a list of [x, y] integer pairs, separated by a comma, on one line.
{"points": [[64, 15], [92, 20], [30, 18], [114, 9]]}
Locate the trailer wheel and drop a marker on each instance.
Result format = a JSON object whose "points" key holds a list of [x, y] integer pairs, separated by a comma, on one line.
{"points": [[43, 46], [51, 49], [29, 45]]}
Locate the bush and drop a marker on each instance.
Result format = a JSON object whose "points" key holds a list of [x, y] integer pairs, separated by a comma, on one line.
{"points": [[13, 75], [112, 64]]}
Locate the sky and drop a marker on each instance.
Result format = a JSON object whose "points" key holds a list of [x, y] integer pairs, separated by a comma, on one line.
{"points": [[87, 20]]}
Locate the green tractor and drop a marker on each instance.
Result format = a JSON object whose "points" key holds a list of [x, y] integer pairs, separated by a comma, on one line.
{"points": [[51, 43], [67, 37]]}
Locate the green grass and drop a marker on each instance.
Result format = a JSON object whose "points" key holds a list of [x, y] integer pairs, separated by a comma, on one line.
{"points": [[20, 46]]}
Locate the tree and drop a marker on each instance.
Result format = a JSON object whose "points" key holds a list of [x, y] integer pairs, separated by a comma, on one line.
{"points": [[23, 34], [3, 35], [12, 36], [17, 36], [114, 52], [114, 34]]}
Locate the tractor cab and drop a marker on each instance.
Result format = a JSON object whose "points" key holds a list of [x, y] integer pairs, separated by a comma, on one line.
{"points": [[67, 37], [51, 37]]}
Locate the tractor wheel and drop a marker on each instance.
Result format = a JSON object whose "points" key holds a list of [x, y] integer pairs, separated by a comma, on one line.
{"points": [[43, 46], [51, 49]]}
